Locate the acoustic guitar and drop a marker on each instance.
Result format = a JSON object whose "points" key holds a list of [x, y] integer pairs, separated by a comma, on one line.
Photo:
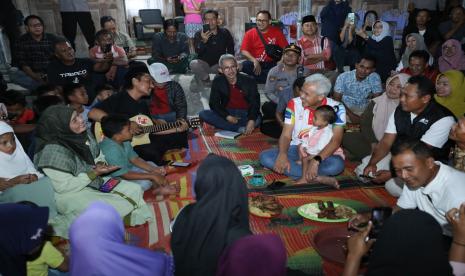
{"points": [[147, 127]]}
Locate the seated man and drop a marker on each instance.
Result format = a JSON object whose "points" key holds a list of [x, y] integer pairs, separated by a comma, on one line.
{"points": [[258, 63], [209, 46], [417, 117], [105, 44], [297, 123], [66, 68], [430, 185], [234, 99], [121, 39], [168, 101], [355, 88], [455, 27], [130, 102], [418, 65], [33, 51], [170, 48]]}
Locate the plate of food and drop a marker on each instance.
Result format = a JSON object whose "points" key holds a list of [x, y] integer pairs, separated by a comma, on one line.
{"points": [[331, 244], [326, 211], [264, 206]]}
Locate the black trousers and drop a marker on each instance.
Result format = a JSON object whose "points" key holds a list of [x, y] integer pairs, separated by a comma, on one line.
{"points": [[159, 144], [69, 21]]}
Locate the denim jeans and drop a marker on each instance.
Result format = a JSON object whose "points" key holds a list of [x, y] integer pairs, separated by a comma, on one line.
{"points": [[247, 67], [22, 79], [168, 117], [332, 165], [212, 118]]}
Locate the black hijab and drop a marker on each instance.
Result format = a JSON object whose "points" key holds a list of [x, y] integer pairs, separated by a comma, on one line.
{"points": [[410, 243], [22, 230], [53, 128], [219, 217]]}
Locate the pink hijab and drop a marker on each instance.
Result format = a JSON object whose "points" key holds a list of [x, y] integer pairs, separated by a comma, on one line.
{"points": [[455, 62]]}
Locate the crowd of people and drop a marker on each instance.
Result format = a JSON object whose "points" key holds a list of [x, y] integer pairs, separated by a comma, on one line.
{"points": [[76, 163]]}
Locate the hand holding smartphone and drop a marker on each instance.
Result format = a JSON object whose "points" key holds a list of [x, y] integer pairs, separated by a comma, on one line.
{"points": [[107, 48], [206, 28], [351, 18]]}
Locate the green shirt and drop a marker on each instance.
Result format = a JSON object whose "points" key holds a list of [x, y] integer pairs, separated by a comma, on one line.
{"points": [[118, 155]]}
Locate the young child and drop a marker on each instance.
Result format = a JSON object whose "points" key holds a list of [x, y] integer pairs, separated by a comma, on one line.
{"points": [[192, 19], [318, 137], [116, 147], [75, 95], [102, 92], [105, 41]]}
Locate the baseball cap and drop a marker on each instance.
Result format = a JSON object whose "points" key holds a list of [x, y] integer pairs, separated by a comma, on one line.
{"points": [[294, 48], [159, 72], [308, 18]]}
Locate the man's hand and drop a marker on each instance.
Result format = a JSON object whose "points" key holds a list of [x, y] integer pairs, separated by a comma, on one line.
{"points": [[370, 169], [232, 119], [23, 179], [257, 68], [282, 164], [456, 218], [205, 36], [312, 171], [382, 176], [101, 169], [173, 59], [249, 127], [135, 128], [359, 222], [183, 127], [108, 56], [357, 245]]}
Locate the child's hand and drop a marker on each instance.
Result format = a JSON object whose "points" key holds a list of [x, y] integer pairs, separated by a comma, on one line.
{"points": [[159, 170], [104, 169]]}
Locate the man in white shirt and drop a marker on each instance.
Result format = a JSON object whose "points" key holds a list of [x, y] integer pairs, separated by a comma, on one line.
{"points": [[417, 117]]}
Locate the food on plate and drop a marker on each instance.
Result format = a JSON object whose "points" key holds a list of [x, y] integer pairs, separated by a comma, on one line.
{"points": [[344, 212], [330, 212], [264, 206]]}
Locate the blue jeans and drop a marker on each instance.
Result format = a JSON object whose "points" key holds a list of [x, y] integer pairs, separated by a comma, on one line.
{"points": [[212, 118], [247, 67], [168, 117], [332, 165], [21, 78]]}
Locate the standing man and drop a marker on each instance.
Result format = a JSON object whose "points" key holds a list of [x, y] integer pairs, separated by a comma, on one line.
{"points": [[33, 52], [258, 63], [209, 46], [234, 99], [121, 39], [75, 12]]}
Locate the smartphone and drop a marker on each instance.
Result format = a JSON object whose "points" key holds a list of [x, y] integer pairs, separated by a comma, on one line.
{"points": [[206, 28], [379, 215], [351, 17], [180, 164], [109, 185], [366, 176], [107, 48]]}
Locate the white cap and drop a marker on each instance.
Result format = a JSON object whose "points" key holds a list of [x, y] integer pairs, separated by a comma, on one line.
{"points": [[159, 72]]}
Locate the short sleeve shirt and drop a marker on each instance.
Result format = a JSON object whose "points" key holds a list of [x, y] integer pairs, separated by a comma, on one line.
{"points": [[302, 117], [118, 155], [61, 74], [355, 93], [122, 103], [49, 257], [253, 44]]}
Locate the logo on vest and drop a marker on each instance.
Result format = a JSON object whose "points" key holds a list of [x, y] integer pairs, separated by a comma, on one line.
{"points": [[424, 121]]}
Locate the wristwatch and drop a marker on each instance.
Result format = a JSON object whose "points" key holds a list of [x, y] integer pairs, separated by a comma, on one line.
{"points": [[317, 158]]}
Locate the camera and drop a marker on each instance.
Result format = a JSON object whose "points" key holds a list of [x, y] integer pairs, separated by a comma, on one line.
{"points": [[379, 215]]}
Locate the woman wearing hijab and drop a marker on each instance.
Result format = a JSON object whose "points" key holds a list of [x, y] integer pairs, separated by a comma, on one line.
{"points": [[374, 119], [21, 234], [410, 243], [70, 157], [220, 216], [414, 41], [450, 91], [98, 248], [453, 57], [19, 179], [254, 255], [381, 46]]}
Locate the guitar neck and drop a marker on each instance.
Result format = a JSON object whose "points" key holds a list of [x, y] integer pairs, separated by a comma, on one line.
{"points": [[160, 127]]}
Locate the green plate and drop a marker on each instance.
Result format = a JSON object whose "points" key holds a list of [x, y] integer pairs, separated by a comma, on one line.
{"points": [[310, 211]]}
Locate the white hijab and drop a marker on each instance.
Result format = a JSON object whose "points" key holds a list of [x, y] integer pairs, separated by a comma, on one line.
{"points": [[17, 163], [384, 32]]}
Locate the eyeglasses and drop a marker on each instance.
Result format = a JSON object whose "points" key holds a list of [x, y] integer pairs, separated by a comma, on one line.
{"points": [[262, 20], [229, 68]]}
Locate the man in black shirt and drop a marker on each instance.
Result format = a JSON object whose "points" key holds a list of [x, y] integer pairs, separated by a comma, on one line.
{"points": [[139, 84], [423, 27], [66, 68], [210, 45]]}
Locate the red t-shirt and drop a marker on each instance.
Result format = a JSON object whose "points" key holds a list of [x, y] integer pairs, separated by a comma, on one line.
{"points": [[236, 98], [26, 118], [430, 73], [253, 44], [160, 103]]}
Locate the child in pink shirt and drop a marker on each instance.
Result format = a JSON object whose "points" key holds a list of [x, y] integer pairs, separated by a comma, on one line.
{"points": [[192, 19]]}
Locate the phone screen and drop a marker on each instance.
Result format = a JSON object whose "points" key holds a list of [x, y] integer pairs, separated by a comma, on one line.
{"points": [[378, 217], [180, 164], [351, 17], [206, 28], [107, 48], [109, 185]]}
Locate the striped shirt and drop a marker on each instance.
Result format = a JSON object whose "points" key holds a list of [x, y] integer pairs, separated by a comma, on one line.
{"points": [[313, 46]]}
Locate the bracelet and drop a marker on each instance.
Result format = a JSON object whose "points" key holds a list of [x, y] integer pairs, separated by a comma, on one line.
{"points": [[92, 175], [458, 243]]}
